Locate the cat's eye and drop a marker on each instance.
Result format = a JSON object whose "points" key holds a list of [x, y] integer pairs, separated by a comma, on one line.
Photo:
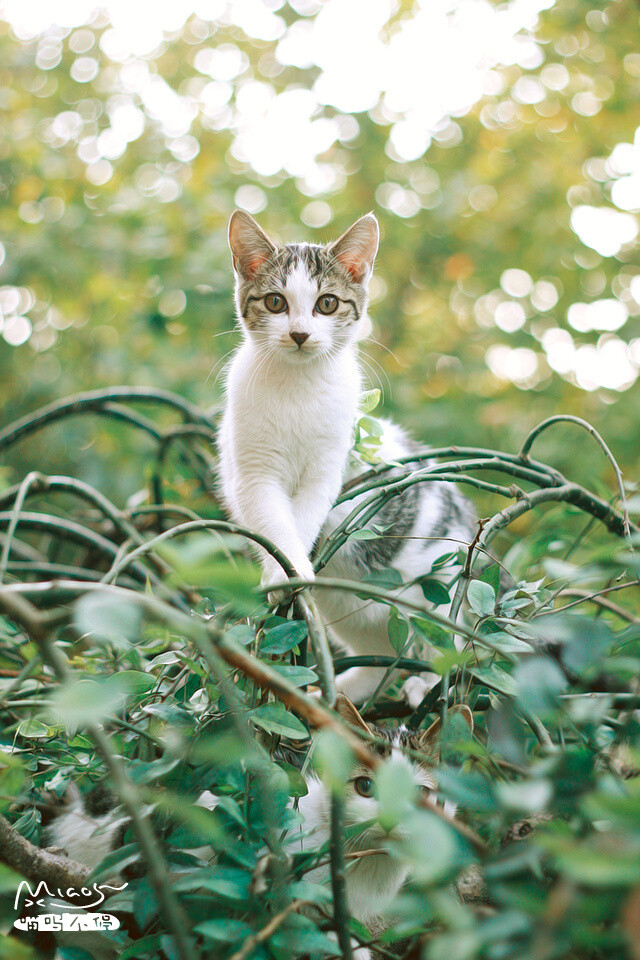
{"points": [[275, 303], [363, 786], [327, 304]]}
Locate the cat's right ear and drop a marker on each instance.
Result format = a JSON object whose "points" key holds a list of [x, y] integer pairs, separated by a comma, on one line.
{"points": [[432, 733], [356, 249], [350, 715], [250, 246]]}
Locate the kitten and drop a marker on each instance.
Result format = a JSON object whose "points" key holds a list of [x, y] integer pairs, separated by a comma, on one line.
{"points": [[291, 405], [294, 384], [372, 882]]}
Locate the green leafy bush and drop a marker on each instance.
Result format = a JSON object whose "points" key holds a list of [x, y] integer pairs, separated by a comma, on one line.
{"points": [[137, 647]]}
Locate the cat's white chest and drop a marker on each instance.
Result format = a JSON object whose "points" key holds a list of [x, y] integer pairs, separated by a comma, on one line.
{"points": [[293, 422]]}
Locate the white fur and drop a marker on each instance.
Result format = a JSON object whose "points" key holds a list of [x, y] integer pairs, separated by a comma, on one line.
{"points": [[88, 839], [85, 838]]}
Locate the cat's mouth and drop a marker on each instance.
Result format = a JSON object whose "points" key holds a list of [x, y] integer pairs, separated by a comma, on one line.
{"points": [[301, 354]]}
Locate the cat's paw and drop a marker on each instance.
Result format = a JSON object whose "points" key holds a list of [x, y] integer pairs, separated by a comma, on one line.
{"points": [[415, 689], [275, 574]]}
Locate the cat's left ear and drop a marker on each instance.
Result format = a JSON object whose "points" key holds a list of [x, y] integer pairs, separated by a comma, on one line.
{"points": [[431, 733], [349, 713], [250, 246], [356, 249]]}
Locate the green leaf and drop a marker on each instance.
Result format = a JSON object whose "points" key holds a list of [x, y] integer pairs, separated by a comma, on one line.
{"points": [[395, 790], [333, 758], [225, 929], [297, 783], [242, 633], [398, 631], [387, 579], [145, 946], [364, 534], [113, 618], [369, 400], [228, 882], [274, 718], [89, 701], [539, 682], [227, 583], [430, 848], [284, 637], [116, 861], [495, 678], [434, 591], [300, 936], [12, 774], [470, 790], [491, 575], [481, 598], [298, 676], [34, 729], [131, 682]]}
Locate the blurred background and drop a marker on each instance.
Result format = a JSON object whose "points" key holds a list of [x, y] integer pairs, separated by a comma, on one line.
{"points": [[496, 142]]}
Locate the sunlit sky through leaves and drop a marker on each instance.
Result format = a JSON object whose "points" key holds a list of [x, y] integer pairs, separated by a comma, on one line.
{"points": [[416, 77]]}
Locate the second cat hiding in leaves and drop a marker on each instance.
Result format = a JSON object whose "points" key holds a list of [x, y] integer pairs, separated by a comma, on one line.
{"points": [[292, 395], [90, 828]]}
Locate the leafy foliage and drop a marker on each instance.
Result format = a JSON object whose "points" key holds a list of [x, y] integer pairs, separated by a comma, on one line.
{"points": [[542, 860]]}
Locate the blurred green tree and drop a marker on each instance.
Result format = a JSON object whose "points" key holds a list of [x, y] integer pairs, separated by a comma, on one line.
{"points": [[118, 173]]}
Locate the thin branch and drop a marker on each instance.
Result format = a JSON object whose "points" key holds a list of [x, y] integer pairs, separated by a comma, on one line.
{"points": [[268, 930], [320, 645], [338, 885], [121, 563], [21, 496], [597, 597], [567, 418], [92, 402]]}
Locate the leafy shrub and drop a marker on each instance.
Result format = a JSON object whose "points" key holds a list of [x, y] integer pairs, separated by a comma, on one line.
{"points": [[137, 647]]}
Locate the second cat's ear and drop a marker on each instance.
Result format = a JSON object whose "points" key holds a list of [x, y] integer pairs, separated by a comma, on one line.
{"points": [[356, 249], [431, 734], [350, 715], [250, 246]]}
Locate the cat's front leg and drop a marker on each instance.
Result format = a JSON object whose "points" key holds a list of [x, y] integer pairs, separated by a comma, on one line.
{"points": [[265, 507], [312, 503]]}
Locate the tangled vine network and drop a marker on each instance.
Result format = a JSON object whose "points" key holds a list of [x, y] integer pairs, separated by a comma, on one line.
{"points": [[79, 547]]}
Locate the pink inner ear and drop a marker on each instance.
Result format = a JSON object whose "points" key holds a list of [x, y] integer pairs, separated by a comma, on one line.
{"points": [[352, 266]]}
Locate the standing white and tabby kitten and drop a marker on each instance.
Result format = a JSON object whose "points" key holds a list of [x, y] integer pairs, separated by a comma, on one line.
{"points": [[291, 405], [294, 384]]}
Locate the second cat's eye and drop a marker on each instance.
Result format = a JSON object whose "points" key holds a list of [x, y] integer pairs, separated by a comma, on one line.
{"points": [[363, 786], [275, 303], [327, 304]]}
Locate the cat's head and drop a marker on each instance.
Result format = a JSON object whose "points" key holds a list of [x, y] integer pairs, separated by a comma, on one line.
{"points": [[415, 749], [301, 301]]}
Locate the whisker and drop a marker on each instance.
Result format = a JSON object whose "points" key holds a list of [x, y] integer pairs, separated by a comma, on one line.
{"points": [[374, 363], [215, 369], [379, 343]]}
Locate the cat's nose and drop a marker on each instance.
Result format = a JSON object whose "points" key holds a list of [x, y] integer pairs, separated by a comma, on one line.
{"points": [[299, 338]]}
